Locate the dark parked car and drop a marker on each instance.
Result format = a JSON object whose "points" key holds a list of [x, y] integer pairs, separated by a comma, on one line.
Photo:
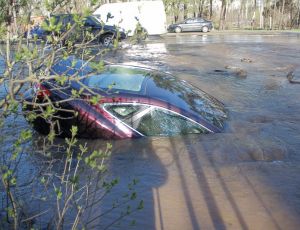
{"points": [[91, 26], [36, 31], [191, 24], [134, 102]]}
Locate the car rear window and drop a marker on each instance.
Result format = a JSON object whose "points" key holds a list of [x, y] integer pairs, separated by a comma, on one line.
{"points": [[117, 78]]}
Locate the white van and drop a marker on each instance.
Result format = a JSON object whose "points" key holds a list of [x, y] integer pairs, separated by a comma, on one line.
{"points": [[150, 14]]}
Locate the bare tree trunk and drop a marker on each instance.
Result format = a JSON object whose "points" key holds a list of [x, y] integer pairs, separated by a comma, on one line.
{"points": [[210, 9], [270, 16], [14, 17], [175, 11], [195, 9], [175, 18], [246, 11], [282, 15], [222, 15], [240, 14], [279, 16], [274, 16], [253, 20], [261, 17], [298, 18], [199, 10], [291, 20], [185, 11], [200, 13]]}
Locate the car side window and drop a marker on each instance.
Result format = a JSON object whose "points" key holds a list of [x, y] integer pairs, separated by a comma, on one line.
{"points": [[153, 121], [188, 21], [88, 22], [128, 113], [200, 20], [161, 122]]}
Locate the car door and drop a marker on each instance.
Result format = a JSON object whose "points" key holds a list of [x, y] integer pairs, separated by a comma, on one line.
{"points": [[75, 34], [191, 25], [187, 25], [90, 28], [199, 23]]}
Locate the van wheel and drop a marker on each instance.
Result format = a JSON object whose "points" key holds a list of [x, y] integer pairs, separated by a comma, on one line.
{"points": [[204, 29], [107, 39], [178, 29]]}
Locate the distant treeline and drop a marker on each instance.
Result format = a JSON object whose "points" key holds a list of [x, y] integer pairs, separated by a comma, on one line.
{"points": [[240, 14], [226, 14]]}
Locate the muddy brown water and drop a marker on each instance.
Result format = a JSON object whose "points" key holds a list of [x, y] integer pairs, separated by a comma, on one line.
{"points": [[244, 178]]}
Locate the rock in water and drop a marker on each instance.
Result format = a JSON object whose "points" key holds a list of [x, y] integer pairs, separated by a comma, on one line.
{"points": [[246, 60]]}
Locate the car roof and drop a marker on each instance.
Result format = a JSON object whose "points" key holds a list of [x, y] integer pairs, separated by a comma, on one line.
{"points": [[71, 16]]}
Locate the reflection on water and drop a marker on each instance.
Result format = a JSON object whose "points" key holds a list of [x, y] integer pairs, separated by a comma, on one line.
{"points": [[2, 86], [2, 65], [244, 178]]}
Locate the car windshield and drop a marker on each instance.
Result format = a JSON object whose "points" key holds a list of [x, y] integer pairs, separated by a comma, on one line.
{"points": [[199, 101], [92, 21], [117, 78]]}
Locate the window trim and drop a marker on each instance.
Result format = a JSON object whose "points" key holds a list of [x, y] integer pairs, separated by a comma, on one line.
{"points": [[152, 107]]}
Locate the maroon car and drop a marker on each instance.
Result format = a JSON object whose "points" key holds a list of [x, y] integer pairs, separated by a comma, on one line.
{"points": [[131, 102]]}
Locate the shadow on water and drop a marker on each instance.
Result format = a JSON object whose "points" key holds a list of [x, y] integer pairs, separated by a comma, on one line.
{"points": [[132, 160], [215, 188], [211, 203]]}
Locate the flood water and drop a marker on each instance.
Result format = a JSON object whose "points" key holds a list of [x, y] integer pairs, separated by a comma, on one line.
{"points": [[244, 178]]}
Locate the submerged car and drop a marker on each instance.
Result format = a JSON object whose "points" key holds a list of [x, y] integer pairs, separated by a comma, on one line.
{"points": [[192, 25], [131, 102]]}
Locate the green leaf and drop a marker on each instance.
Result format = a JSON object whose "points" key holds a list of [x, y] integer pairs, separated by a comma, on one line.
{"points": [[13, 181], [83, 149], [133, 223], [133, 196], [26, 135], [58, 193], [7, 174], [61, 79], [99, 67], [95, 99], [74, 130], [108, 145], [43, 180], [141, 205]]}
